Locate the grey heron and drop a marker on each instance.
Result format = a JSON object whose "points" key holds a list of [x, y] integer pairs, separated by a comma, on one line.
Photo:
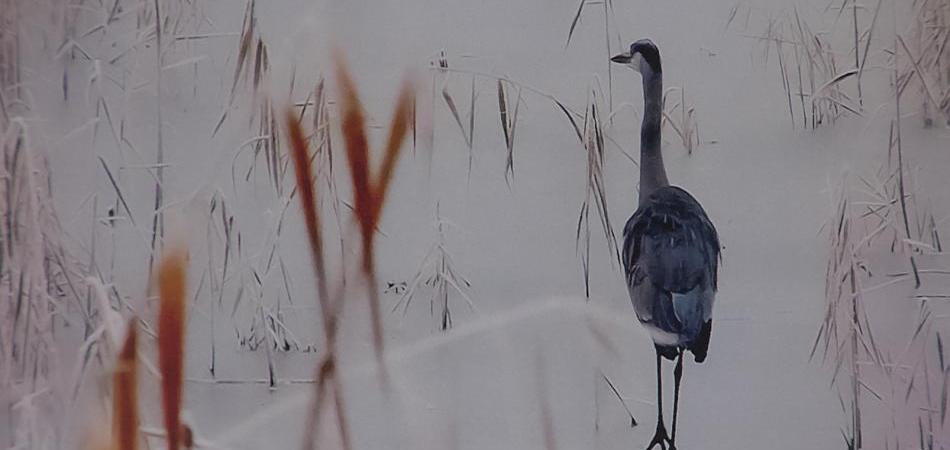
{"points": [[670, 248]]}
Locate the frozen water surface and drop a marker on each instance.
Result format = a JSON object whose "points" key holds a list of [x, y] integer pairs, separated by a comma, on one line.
{"points": [[533, 350]]}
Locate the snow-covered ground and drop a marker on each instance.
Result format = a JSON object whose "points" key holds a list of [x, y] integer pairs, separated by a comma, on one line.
{"points": [[532, 343]]}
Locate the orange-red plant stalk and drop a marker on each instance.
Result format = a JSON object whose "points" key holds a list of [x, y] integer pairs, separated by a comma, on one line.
{"points": [[171, 339], [370, 193], [308, 201], [125, 415], [326, 370]]}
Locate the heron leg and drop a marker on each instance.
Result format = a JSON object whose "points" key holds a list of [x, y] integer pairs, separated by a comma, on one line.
{"points": [[660, 438], [677, 376]]}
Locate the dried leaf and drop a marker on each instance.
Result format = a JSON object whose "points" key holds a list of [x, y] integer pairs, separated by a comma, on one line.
{"points": [[308, 202], [503, 111], [357, 152], [455, 112], [402, 118], [357, 149]]}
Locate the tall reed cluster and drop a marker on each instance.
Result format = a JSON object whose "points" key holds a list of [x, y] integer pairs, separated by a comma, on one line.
{"points": [[125, 432], [926, 47], [887, 370], [40, 282], [370, 189]]}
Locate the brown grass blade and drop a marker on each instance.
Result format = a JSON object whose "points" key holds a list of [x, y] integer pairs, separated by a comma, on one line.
{"points": [[327, 383], [357, 152], [503, 111], [357, 149], [171, 339], [308, 202], [125, 415], [455, 112], [301, 157], [837, 79], [399, 128], [402, 118]]}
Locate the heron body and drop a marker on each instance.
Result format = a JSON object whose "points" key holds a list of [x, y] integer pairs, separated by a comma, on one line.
{"points": [[670, 247], [670, 257]]}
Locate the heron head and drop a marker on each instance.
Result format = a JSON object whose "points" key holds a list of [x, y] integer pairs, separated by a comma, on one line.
{"points": [[642, 57]]}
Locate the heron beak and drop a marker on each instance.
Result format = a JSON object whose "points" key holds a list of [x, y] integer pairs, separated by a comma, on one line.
{"points": [[623, 58]]}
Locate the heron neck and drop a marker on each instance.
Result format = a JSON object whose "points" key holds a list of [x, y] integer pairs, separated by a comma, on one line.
{"points": [[652, 172]]}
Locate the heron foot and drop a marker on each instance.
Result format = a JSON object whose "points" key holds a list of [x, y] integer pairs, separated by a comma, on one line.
{"points": [[661, 439]]}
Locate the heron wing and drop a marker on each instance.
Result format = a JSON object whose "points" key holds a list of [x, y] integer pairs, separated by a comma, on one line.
{"points": [[671, 238], [671, 243]]}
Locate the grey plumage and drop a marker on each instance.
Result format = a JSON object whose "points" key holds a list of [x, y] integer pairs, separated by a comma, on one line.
{"points": [[671, 262], [670, 248]]}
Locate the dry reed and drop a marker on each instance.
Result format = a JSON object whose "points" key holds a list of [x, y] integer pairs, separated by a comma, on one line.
{"points": [[369, 190], [39, 275], [684, 124], [125, 416], [158, 210], [809, 66], [509, 123], [438, 273], [594, 143], [171, 339], [326, 369]]}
